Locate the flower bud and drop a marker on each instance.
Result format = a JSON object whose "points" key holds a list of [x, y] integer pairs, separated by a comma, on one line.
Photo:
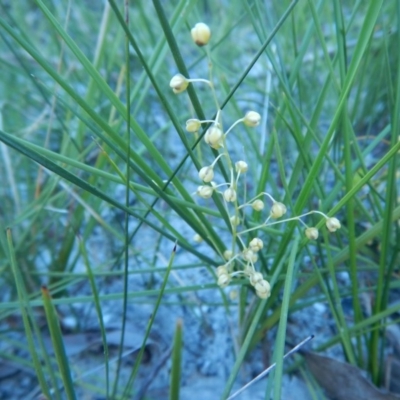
{"points": [[213, 137], [333, 224], [241, 166], [277, 210], [201, 34], [235, 221], [206, 174], [197, 238], [257, 205], [256, 277], [193, 125], [230, 195], [178, 83], [263, 289], [249, 255], [256, 244], [312, 233], [222, 270], [223, 280], [228, 254], [252, 119], [205, 191], [248, 270], [233, 294]]}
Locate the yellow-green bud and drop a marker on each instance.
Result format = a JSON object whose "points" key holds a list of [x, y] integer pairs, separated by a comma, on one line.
{"points": [[205, 191], [228, 254], [193, 125], [248, 270], [223, 280], [241, 166], [235, 221], [277, 210], [230, 195], [256, 244], [263, 289], [312, 233], [179, 83], [206, 174], [201, 34], [213, 137], [256, 277], [252, 119], [233, 294], [257, 205], [333, 224], [249, 255], [222, 270], [197, 238]]}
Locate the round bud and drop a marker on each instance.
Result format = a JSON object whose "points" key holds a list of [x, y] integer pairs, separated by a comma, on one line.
{"points": [[263, 289], [230, 195], [256, 277], [235, 221], [223, 280], [197, 238], [206, 174], [311, 233], [193, 125], [205, 191], [201, 34], [249, 255], [213, 137], [257, 205], [277, 210], [179, 83], [333, 224], [248, 270], [241, 166], [228, 254], [233, 294], [221, 270], [256, 244], [252, 119]]}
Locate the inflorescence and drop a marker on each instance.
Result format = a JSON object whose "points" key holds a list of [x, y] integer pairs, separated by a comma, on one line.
{"points": [[238, 262]]}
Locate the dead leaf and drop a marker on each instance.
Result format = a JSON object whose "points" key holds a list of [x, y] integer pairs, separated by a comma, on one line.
{"points": [[343, 381]]}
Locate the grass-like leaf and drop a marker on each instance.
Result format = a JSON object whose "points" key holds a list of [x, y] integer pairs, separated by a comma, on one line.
{"points": [[58, 344], [176, 362]]}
